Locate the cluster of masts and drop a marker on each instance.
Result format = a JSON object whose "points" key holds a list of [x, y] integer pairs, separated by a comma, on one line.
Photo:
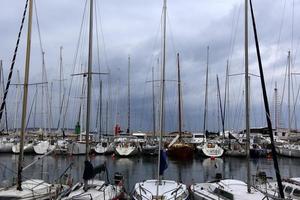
{"points": [[158, 188]]}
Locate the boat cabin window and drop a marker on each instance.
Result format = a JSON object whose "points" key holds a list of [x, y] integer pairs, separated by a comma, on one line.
{"points": [[104, 144], [283, 134], [296, 193], [223, 193], [199, 136], [288, 189], [140, 136]]}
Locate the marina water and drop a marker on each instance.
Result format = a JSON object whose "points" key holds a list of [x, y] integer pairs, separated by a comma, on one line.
{"points": [[140, 168]]}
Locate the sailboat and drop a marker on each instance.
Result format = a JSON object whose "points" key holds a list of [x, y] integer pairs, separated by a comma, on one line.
{"points": [[41, 147], [27, 148], [289, 150], [150, 146], [180, 149], [223, 190], [207, 148], [104, 146], [127, 146], [291, 187], [32, 188], [231, 188], [161, 189], [92, 188], [6, 145]]}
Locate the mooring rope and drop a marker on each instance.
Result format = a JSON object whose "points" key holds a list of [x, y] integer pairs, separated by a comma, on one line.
{"points": [[13, 63]]}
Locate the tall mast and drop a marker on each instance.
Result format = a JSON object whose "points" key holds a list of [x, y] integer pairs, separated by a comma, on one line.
{"points": [[226, 95], [221, 109], [100, 110], [153, 103], [89, 81], [247, 117], [42, 100], [3, 89], [35, 106], [80, 113], [106, 118], [206, 88], [275, 106], [162, 91], [25, 95], [269, 122], [179, 97], [60, 83], [289, 92], [17, 100], [128, 114]]}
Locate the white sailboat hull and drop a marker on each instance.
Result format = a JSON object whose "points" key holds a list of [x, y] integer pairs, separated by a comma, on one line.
{"points": [[223, 190], [97, 190], [6, 147], [126, 150], [43, 147], [32, 189], [289, 151], [150, 149], [104, 148], [61, 147], [28, 148], [77, 148], [210, 150], [167, 189]]}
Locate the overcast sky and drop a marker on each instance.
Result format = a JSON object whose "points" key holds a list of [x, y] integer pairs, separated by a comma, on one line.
{"points": [[133, 27]]}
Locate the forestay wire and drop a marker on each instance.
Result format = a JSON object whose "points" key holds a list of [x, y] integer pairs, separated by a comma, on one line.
{"points": [[13, 63]]}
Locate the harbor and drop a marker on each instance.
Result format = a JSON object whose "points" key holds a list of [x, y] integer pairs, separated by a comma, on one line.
{"points": [[121, 120]]}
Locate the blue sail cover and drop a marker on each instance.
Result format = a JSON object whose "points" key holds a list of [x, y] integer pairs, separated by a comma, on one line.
{"points": [[163, 162]]}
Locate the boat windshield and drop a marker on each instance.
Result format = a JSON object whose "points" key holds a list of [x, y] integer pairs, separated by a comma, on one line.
{"points": [[288, 189], [223, 193], [296, 193]]}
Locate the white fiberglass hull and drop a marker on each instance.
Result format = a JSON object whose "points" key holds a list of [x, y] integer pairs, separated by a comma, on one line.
{"points": [[167, 189], [77, 148], [31, 190], [291, 188], [104, 148], [289, 151], [210, 150], [43, 147], [224, 190], [6, 147], [28, 148], [97, 190], [150, 149], [61, 147], [126, 150]]}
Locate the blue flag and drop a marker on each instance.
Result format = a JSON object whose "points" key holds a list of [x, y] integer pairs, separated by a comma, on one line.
{"points": [[163, 162]]}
